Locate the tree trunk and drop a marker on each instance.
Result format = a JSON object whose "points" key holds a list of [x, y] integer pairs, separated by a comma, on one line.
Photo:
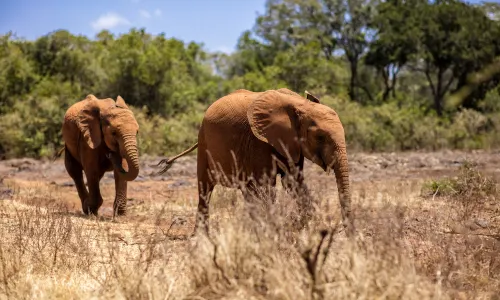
{"points": [[352, 84]]}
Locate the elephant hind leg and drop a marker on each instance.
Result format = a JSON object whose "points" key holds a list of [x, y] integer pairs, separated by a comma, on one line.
{"points": [[202, 213], [259, 199], [205, 187], [254, 191], [75, 171]]}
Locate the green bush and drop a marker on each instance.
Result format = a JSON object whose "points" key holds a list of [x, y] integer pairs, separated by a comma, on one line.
{"points": [[32, 127], [159, 136], [469, 184], [392, 127]]}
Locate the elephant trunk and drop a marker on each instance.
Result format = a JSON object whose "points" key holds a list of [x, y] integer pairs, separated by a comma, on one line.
{"points": [[341, 170], [131, 155]]}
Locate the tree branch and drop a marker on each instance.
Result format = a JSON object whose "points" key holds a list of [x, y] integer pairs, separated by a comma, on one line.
{"points": [[429, 79], [447, 85]]}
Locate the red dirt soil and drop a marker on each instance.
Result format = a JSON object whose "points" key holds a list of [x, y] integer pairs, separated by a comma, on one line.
{"points": [[179, 183]]}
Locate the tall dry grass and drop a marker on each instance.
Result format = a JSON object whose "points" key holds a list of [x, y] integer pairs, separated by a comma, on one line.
{"points": [[408, 246]]}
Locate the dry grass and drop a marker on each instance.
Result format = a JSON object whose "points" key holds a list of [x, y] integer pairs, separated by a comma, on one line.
{"points": [[408, 246]]}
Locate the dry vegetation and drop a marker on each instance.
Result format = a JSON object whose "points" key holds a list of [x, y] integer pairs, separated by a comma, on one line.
{"points": [[417, 239]]}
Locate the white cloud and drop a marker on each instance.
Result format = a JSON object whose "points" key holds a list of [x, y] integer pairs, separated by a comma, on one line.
{"points": [[145, 14], [157, 12], [108, 21]]}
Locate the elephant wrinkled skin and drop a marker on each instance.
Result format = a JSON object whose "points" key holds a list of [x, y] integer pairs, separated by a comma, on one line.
{"points": [[100, 136], [259, 131]]}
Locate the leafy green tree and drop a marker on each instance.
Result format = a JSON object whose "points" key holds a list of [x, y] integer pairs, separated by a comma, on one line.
{"points": [[164, 74], [334, 24], [395, 42], [17, 74], [456, 39], [446, 40], [251, 55]]}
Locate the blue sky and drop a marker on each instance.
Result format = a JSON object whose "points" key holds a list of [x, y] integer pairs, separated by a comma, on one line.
{"points": [[216, 23]]}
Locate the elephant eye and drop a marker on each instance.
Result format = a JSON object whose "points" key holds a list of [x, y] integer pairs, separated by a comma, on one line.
{"points": [[321, 138], [113, 133]]}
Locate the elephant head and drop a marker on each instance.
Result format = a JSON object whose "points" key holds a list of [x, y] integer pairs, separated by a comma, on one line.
{"points": [[114, 123], [295, 126]]}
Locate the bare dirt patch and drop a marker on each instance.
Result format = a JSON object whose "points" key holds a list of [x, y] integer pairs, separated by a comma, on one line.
{"points": [[178, 186]]}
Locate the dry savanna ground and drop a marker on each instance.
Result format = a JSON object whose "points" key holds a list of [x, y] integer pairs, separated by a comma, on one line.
{"points": [[428, 227]]}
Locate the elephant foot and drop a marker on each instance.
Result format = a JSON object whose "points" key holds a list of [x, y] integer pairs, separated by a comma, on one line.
{"points": [[119, 212], [349, 229], [89, 209], [200, 226], [119, 208], [197, 233]]}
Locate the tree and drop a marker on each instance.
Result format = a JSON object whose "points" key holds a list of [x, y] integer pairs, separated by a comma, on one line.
{"points": [[333, 24], [456, 40], [395, 41], [446, 40], [17, 74]]}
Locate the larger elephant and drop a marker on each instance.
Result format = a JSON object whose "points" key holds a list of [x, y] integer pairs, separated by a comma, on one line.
{"points": [[100, 136], [259, 131]]}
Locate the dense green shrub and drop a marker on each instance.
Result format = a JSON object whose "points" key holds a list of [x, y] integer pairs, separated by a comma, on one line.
{"points": [[159, 136], [33, 127], [389, 127]]}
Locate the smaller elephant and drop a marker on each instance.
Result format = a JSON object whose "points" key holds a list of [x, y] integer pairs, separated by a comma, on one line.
{"points": [[251, 135], [100, 136]]}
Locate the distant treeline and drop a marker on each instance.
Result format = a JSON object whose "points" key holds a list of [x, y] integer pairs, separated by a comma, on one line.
{"points": [[386, 67]]}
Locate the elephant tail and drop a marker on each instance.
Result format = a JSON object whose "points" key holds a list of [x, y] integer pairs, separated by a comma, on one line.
{"points": [[168, 162], [58, 153]]}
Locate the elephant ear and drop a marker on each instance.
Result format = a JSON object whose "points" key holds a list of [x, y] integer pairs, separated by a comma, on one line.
{"points": [[273, 120], [311, 97], [120, 102], [89, 122]]}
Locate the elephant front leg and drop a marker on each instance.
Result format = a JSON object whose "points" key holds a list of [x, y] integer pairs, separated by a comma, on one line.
{"points": [[75, 171], [120, 204], [298, 188], [94, 200], [306, 205]]}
